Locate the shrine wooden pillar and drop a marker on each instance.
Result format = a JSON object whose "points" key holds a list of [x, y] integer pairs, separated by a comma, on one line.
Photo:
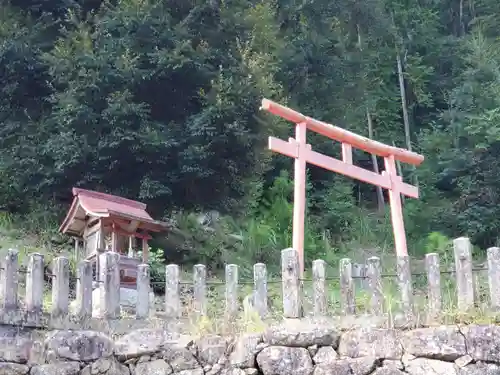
{"points": [[114, 239], [131, 253], [77, 248], [145, 251]]}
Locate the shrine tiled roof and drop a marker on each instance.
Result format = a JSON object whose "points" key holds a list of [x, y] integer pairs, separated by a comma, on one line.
{"points": [[96, 204]]}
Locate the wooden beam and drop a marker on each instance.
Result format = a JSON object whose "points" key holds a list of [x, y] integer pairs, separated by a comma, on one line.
{"points": [[114, 220], [342, 135], [346, 153], [132, 227], [327, 162], [135, 234]]}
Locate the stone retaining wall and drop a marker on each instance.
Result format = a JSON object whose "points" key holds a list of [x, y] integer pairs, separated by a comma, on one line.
{"points": [[295, 347]]}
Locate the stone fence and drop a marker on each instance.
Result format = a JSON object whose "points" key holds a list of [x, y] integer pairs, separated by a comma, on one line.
{"points": [[32, 312], [295, 347]]}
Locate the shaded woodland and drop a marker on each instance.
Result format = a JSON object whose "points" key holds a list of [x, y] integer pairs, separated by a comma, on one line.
{"points": [[159, 101]]}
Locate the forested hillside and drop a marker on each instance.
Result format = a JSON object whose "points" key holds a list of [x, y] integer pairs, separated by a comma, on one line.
{"points": [[159, 101]]}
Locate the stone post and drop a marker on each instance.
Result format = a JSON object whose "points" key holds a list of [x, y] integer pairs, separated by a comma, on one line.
{"points": [[172, 292], [463, 265], [84, 290], [358, 274], [433, 287], [375, 285], [9, 281], [347, 302], [34, 288], [60, 288], [109, 286], [319, 287], [494, 277], [405, 285], [260, 288], [143, 290], [231, 291], [200, 289], [290, 283]]}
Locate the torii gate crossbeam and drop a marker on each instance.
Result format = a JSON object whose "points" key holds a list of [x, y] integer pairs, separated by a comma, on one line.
{"points": [[302, 152]]}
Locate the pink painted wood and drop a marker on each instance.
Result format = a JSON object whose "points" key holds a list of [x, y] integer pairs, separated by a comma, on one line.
{"points": [[302, 153], [299, 192]]}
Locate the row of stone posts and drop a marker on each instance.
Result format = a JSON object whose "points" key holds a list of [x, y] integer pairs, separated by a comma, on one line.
{"points": [[463, 273], [60, 290], [292, 286], [173, 308]]}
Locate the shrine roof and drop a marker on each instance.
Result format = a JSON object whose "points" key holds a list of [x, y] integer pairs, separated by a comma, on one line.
{"points": [[100, 205]]}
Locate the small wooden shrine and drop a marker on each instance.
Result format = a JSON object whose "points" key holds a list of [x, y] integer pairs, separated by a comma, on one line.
{"points": [[102, 222]]}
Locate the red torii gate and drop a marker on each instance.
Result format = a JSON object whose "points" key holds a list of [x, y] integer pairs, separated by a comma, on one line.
{"points": [[299, 149]]}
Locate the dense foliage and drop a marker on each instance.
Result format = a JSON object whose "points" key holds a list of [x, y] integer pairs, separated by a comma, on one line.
{"points": [[160, 101]]}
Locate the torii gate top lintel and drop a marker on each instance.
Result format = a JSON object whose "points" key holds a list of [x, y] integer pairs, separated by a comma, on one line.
{"points": [[342, 135], [302, 153]]}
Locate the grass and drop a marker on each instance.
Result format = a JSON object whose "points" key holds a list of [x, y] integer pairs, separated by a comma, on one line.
{"points": [[214, 321], [36, 233]]}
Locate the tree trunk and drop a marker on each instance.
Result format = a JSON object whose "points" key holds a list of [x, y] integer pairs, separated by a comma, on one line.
{"points": [[380, 193], [404, 105], [461, 30], [402, 92]]}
